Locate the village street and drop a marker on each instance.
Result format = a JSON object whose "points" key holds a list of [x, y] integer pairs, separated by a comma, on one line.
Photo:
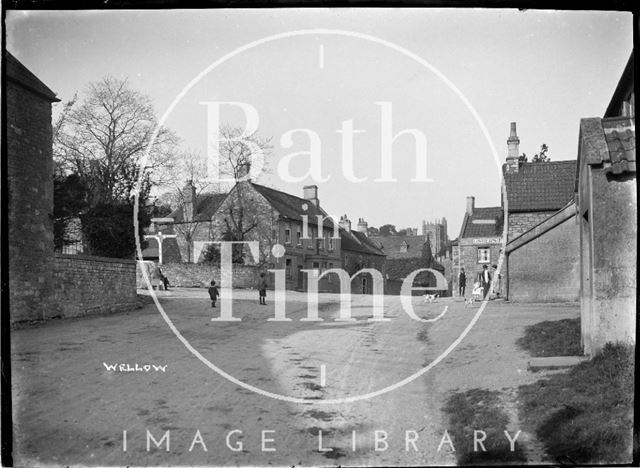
{"points": [[70, 409]]}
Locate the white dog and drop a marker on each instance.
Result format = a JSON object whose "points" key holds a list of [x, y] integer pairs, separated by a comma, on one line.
{"points": [[430, 297]]}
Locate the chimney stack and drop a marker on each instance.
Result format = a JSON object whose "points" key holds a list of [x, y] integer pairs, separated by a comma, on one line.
{"points": [[513, 144], [345, 223], [363, 226], [471, 202], [310, 192]]}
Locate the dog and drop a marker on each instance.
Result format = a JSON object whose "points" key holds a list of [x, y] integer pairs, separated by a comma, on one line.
{"points": [[430, 297], [468, 301]]}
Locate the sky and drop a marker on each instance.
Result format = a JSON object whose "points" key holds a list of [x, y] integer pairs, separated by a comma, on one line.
{"points": [[453, 79]]}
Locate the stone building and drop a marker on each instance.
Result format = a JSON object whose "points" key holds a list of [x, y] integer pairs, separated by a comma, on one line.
{"points": [[273, 217], [607, 207], [30, 191], [542, 256], [358, 251], [478, 244]]}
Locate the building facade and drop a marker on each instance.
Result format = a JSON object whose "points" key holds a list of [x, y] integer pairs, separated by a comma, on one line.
{"points": [[542, 254], [607, 208], [479, 243]]}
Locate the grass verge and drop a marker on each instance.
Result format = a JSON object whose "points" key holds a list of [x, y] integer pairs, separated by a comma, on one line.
{"points": [[552, 338], [480, 409], [585, 415]]}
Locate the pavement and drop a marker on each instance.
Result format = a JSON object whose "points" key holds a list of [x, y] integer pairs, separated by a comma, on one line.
{"points": [[71, 406]]}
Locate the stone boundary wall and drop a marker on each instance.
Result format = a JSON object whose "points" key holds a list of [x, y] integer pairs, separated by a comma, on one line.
{"points": [[85, 285], [198, 275]]}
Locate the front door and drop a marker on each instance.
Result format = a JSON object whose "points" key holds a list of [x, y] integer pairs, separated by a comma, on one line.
{"points": [[300, 285]]}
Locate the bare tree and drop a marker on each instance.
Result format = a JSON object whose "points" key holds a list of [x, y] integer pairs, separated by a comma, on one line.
{"points": [[104, 136], [188, 183], [235, 155]]}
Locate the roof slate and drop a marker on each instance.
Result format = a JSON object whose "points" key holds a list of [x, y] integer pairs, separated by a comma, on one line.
{"points": [[540, 186], [390, 245], [471, 229], [620, 136], [358, 242], [206, 206], [290, 206], [18, 73]]}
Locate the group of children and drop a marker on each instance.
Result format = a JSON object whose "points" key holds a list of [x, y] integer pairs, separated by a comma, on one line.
{"points": [[261, 286]]}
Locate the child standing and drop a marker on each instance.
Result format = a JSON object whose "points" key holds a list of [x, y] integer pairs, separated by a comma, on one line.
{"points": [[213, 293], [262, 289]]}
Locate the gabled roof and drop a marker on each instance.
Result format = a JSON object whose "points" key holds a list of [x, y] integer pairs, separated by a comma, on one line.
{"points": [[484, 222], [540, 186], [356, 241], [21, 75], [392, 245], [206, 206], [290, 206]]}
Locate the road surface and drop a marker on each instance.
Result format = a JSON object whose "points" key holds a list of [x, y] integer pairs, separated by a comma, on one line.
{"points": [[72, 407]]}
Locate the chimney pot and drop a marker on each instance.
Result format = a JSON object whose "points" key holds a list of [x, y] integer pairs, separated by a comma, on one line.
{"points": [[345, 223]]}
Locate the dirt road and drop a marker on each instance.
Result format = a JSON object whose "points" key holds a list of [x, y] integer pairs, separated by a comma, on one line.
{"points": [[71, 406]]}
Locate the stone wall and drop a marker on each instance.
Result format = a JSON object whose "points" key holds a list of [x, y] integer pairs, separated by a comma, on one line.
{"points": [[30, 202], [199, 275], [93, 285], [522, 222], [547, 269]]}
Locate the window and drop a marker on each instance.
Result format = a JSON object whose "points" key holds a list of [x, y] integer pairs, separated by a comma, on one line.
{"points": [[298, 237], [484, 255], [288, 268], [287, 236], [316, 265]]}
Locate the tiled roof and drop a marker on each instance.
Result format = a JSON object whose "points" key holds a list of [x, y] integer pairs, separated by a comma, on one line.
{"points": [[290, 206], [399, 269], [540, 186], [620, 135], [484, 222], [206, 206], [610, 141], [21, 75], [391, 245], [358, 242]]}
